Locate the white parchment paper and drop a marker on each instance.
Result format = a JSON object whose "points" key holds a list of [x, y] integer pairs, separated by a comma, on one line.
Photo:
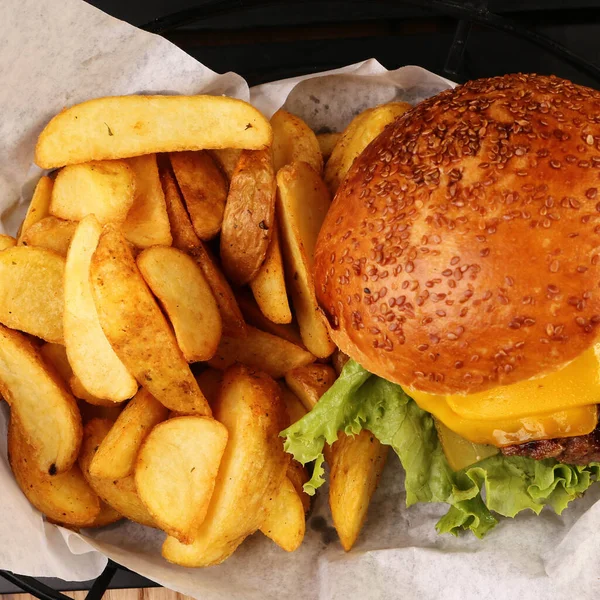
{"points": [[54, 54]]}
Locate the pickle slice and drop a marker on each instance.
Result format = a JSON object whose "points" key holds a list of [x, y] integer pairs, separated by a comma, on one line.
{"points": [[461, 452]]}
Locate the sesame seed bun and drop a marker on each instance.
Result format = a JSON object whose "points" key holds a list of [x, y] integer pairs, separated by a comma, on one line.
{"points": [[462, 251]]}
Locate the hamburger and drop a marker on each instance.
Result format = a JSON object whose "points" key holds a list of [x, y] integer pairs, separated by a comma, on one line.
{"points": [[459, 269]]}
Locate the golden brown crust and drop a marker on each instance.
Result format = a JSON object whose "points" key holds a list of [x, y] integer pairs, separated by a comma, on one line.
{"points": [[463, 249]]}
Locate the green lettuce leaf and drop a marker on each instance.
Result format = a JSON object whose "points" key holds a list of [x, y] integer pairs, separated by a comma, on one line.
{"points": [[512, 484]]}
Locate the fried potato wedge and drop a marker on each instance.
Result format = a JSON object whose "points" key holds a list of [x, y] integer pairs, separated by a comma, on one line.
{"points": [[327, 142], [39, 205], [81, 393], [309, 383], [94, 362], [361, 131], [227, 159], [102, 188], [51, 233], [260, 350], [185, 238], [294, 406], [40, 402], [268, 286], [65, 497], [120, 494], [251, 471], [294, 141], [249, 213], [55, 355], [137, 329], [298, 475], [210, 381], [107, 516], [285, 523], [116, 455], [176, 470], [354, 472], [187, 299], [124, 126], [303, 202], [204, 190], [7, 241], [147, 222], [94, 411], [254, 316], [31, 294]]}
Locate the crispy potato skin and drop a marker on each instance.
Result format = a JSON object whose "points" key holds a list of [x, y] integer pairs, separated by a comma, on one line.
{"points": [[185, 239], [204, 190], [137, 329], [248, 220]]}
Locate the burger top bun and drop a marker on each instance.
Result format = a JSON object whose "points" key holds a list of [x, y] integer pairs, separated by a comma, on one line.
{"points": [[462, 251]]}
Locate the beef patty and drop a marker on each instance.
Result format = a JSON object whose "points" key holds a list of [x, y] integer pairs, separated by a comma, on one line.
{"points": [[579, 450]]}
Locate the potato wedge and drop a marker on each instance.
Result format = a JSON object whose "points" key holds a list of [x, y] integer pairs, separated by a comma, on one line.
{"points": [[185, 238], [303, 202], [204, 190], [7, 241], [51, 233], [107, 516], [176, 470], [94, 362], [31, 294], [147, 222], [115, 457], [55, 355], [120, 494], [65, 497], [187, 299], [248, 220], [298, 475], [294, 406], [354, 472], [136, 328], [327, 142], [102, 188], [285, 523], [260, 350], [227, 159], [268, 286], [294, 141], [39, 205], [361, 131], [94, 411], [39, 401], [309, 383], [252, 469], [254, 316], [124, 126], [210, 381], [81, 393]]}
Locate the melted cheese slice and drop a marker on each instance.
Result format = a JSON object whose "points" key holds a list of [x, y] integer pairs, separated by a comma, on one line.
{"points": [[561, 404]]}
